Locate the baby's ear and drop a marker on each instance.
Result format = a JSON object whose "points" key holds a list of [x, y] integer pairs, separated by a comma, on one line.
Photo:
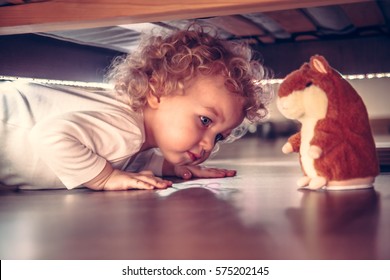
{"points": [[318, 63], [153, 100]]}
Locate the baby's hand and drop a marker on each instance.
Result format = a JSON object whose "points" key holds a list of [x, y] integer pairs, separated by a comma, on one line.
{"points": [[115, 180], [120, 180], [197, 171]]}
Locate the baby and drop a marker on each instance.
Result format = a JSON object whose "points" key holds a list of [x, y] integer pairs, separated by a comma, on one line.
{"points": [[173, 100]]}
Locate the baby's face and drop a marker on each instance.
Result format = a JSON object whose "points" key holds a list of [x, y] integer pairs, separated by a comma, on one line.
{"points": [[187, 126]]}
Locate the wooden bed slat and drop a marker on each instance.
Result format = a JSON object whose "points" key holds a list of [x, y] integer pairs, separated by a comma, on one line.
{"points": [[292, 21], [236, 25], [360, 17]]}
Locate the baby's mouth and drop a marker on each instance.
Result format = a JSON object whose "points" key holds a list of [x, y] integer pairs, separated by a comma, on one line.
{"points": [[193, 156]]}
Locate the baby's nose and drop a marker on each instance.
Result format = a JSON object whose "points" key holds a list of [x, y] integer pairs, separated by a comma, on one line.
{"points": [[207, 143]]}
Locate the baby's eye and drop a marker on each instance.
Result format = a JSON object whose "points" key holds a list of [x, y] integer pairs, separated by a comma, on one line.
{"points": [[205, 121], [219, 137]]}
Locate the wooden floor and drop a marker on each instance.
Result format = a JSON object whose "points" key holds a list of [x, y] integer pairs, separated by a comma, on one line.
{"points": [[259, 214]]}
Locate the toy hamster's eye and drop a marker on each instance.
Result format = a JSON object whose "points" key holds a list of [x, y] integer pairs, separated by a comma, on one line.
{"points": [[308, 84]]}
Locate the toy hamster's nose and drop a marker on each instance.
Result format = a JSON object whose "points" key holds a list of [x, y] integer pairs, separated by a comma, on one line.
{"points": [[282, 103]]}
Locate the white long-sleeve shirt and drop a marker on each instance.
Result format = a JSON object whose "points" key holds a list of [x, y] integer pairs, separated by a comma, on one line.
{"points": [[55, 136]]}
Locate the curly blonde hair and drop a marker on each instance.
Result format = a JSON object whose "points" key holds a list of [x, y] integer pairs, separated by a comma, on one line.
{"points": [[163, 63]]}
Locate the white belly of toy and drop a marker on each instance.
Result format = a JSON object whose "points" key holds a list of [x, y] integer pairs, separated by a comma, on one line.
{"points": [[307, 134]]}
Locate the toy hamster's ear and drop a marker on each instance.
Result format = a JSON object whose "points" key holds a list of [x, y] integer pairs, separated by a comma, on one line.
{"points": [[319, 64]]}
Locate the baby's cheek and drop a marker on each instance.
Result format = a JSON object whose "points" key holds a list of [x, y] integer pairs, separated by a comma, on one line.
{"points": [[183, 141]]}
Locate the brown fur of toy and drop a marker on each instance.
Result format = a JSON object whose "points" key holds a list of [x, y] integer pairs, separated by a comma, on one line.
{"points": [[335, 143]]}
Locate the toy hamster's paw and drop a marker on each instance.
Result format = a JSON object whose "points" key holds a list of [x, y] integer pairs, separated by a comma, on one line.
{"points": [[315, 152], [287, 148], [312, 183], [317, 183], [303, 182]]}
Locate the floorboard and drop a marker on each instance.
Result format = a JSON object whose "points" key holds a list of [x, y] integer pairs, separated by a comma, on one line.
{"points": [[259, 214]]}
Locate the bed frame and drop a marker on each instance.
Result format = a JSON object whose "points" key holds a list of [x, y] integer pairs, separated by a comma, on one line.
{"points": [[51, 15]]}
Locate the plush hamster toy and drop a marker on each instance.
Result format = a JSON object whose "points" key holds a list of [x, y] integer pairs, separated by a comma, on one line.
{"points": [[335, 143]]}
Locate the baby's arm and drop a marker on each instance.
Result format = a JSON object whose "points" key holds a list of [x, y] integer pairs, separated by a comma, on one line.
{"points": [[71, 146]]}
